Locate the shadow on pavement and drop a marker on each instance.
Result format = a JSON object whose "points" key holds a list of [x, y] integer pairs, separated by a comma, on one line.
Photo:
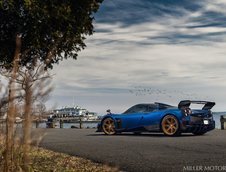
{"points": [[144, 135]]}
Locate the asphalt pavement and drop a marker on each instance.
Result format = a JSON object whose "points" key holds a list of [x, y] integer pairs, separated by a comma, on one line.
{"points": [[146, 152]]}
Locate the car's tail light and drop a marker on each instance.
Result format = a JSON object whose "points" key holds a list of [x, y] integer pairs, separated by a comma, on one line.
{"points": [[187, 111]]}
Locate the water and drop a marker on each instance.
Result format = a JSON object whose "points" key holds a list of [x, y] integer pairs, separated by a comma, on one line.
{"points": [[216, 117], [67, 125]]}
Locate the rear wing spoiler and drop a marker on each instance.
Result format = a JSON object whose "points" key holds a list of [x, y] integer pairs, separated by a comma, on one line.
{"points": [[186, 103]]}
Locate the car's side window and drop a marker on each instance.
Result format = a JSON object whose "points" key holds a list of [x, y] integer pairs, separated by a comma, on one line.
{"points": [[137, 109], [141, 108], [152, 107]]}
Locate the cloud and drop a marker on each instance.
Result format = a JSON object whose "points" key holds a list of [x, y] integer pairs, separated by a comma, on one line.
{"points": [[135, 12], [176, 46], [162, 22]]}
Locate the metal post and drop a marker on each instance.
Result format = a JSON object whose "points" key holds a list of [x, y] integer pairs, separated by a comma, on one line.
{"points": [[37, 123], [223, 122], [80, 122], [51, 125], [61, 123]]}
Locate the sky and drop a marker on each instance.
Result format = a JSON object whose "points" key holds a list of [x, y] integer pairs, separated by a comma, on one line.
{"points": [[146, 51]]}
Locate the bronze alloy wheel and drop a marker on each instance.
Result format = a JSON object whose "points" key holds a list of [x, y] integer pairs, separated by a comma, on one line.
{"points": [[108, 126], [170, 125]]}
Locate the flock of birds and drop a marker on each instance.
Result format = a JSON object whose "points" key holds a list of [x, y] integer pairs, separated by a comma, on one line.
{"points": [[167, 93]]}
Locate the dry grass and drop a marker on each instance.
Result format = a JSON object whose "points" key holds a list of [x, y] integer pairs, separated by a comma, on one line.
{"points": [[49, 161], [43, 160]]}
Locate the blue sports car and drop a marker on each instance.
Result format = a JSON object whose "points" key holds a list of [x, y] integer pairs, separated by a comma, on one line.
{"points": [[159, 117]]}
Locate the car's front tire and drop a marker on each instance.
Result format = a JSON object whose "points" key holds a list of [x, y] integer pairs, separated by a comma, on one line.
{"points": [[170, 125], [108, 126]]}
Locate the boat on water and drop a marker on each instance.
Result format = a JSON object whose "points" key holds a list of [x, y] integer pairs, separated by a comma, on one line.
{"points": [[18, 120], [75, 112]]}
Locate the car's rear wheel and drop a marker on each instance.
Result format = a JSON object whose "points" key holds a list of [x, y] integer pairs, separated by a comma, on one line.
{"points": [[108, 126], [170, 125]]}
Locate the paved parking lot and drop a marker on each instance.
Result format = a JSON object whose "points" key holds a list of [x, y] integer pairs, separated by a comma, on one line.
{"points": [[146, 152]]}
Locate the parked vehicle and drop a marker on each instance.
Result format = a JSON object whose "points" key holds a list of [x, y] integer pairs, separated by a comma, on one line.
{"points": [[159, 117]]}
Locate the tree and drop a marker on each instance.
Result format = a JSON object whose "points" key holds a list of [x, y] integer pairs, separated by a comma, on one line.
{"points": [[30, 86], [50, 30], [35, 85], [34, 31]]}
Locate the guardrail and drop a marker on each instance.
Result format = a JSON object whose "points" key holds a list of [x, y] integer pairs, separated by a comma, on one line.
{"points": [[223, 122]]}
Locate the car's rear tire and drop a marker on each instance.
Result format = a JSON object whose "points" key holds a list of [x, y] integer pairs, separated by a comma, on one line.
{"points": [[170, 125], [108, 126]]}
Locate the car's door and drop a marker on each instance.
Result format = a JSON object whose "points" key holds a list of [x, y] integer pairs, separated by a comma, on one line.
{"points": [[132, 117], [150, 119]]}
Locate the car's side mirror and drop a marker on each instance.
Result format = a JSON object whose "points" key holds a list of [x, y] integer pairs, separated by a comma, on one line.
{"points": [[108, 111]]}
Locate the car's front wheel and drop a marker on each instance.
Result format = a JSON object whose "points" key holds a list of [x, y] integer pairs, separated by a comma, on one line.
{"points": [[108, 126], [170, 125]]}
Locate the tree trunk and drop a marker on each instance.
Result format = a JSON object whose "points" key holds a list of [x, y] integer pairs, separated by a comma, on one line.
{"points": [[27, 122], [11, 109]]}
